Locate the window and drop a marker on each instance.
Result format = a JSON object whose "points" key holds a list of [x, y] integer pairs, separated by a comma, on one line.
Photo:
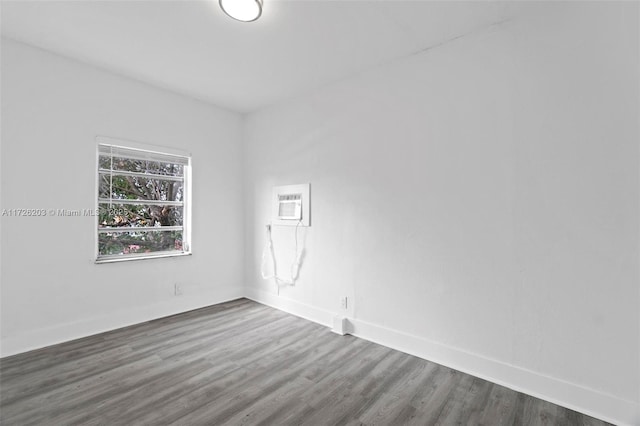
{"points": [[143, 203]]}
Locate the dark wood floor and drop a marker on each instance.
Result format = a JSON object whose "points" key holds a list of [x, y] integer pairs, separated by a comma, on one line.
{"points": [[244, 363]]}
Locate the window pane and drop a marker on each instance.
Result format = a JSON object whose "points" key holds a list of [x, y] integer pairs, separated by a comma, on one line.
{"points": [[139, 242], [138, 188], [141, 166], [135, 215]]}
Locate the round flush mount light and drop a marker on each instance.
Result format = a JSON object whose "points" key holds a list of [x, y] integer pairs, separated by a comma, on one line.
{"points": [[242, 10]]}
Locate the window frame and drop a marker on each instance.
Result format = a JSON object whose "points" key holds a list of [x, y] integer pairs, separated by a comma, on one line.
{"points": [[186, 203]]}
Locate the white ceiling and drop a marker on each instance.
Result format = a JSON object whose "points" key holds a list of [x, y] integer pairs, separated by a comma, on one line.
{"points": [[191, 47]]}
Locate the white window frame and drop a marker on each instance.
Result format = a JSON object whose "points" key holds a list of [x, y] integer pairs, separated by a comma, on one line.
{"points": [[186, 203]]}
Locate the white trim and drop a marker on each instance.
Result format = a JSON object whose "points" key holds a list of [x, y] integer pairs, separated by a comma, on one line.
{"points": [[291, 306], [96, 195], [187, 208], [37, 339], [111, 258], [141, 146], [570, 395]]}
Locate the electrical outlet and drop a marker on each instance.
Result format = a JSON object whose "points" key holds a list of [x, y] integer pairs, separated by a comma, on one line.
{"points": [[177, 290], [344, 302]]}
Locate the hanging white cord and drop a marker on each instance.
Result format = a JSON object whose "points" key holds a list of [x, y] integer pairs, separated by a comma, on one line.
{"points": [[268, 247], [295, 266]]}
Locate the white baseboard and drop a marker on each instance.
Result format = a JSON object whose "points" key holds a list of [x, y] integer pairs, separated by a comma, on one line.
{"points": [[37, 339], [291, 306], [584, 400]]}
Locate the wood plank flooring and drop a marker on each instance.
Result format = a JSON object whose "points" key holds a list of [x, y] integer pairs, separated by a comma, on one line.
{"points": [[243, 363]]}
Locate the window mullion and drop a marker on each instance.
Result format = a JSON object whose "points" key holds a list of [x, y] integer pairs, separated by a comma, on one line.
{"points": [[111, 177], [142, 175]]}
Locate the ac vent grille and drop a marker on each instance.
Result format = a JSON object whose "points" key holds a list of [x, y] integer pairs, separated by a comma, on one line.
{"points": [[289, 197]]}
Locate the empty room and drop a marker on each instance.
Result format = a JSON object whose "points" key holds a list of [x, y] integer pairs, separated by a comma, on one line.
{"points": [[319, 212]]}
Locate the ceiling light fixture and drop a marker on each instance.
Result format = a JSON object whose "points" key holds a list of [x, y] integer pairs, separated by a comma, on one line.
{"points": [[242, 10]]}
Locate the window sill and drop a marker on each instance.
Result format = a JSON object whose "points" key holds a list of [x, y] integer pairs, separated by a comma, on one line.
{"points": [[128, 258]]}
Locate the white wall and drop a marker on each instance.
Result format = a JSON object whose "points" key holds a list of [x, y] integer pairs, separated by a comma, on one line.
{"points": [[478, 203], [52, 110]]}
